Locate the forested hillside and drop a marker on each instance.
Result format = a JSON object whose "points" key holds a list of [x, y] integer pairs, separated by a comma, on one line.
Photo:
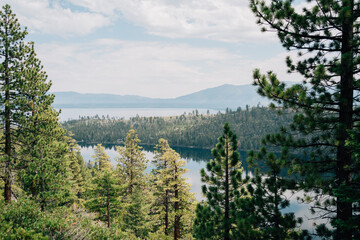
{"points": [[192, 130]]}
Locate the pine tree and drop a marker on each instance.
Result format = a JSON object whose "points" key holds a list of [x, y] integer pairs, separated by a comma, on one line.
{"points": [[79, 172], [43, 165], [34, 140], [11, 55], [136, 208], [215, 218], [267, 196], [132, 161], [43, 171], [130, 168], [161, 191], [173, 200], [101, 159], [104, 190], [103, 195], [181, 199], [326, 36]]}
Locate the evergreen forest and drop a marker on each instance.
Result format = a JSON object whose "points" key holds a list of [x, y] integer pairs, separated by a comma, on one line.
{"points": [[310, 130], [187, 130]]}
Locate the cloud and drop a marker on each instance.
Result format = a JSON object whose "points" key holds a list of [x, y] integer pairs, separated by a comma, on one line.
{"points": [[225, 20], [152, 69], [42, 17]]}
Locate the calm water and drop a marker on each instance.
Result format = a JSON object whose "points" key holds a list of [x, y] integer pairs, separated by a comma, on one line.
{"points": [[126, 113], [197, 159]]}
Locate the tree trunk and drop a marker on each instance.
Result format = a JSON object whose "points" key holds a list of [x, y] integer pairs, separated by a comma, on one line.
{"points": [[166, 218], [176, 208], [344, 208], [108, 208], [227, 210], [166, 203], [7, 113], [277, 211], [131, 168]]}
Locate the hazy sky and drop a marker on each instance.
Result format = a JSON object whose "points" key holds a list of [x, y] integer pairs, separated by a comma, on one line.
{"points": [[152, 48]]}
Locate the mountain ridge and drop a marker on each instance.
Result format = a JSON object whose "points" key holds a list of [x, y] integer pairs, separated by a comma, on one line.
{"points": [[220, 97]]}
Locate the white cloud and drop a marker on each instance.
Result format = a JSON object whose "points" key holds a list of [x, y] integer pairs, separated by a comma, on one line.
{"points": [[150, 69], [221, 20], [42, 17], [155, 69]]}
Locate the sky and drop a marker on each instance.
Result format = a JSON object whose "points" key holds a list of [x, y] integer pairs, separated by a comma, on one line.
{"points": [[151, 48]]}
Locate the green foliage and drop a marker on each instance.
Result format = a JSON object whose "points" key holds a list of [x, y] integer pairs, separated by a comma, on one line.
{"points": [[136, 212], [98, 232], [267, 190], [103, 192], [173, 203], [14, 107], [132, 161], [130, 169], [103, 195], [325, 35], [79, 173], [44, 167], [33, 141], [216, 218], [25, 220], [21, 220], [192, 130], [101, 160]]}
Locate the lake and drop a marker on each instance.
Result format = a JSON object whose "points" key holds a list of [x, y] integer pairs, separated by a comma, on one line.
{"points": [[197, 159]]}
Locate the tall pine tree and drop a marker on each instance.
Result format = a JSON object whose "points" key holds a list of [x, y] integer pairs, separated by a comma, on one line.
{"points": [[103, 192], [326, 36], [162, 206], [215, 219], [11, 57], [132, 161], [79, 172], [173, 200], [42, 158], [130, 168]]}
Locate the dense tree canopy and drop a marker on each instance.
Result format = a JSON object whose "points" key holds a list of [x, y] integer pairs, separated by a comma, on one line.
{"points": [[325, 35], [195, 130]]}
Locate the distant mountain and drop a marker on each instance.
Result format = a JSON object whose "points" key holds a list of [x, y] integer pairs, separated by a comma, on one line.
{"points": [[97, 100], [224, 96]]}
